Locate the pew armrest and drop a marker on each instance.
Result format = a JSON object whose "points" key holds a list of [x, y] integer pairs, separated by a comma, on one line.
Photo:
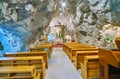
{"points": [[83, 71], [38, 76]]}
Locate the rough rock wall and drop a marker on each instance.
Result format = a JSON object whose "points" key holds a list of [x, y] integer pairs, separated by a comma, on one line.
{"points": [[90, 18], [107, 36], [30, 19]]}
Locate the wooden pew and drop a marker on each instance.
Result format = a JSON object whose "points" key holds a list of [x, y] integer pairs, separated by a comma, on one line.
{"points": [[18, 72], [25, 61], [42, 47], [79, 57], [74, 46], [74, 50], [66, 44], [49, 46], [36, 49], [109, 63], [67, 47], [90, 67], [26, 54]]}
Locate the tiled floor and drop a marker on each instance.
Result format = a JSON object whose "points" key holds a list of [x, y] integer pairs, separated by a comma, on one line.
{"points": [[60, 66]]}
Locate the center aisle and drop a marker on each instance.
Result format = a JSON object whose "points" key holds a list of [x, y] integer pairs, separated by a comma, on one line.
{"points": [[60, 67]]}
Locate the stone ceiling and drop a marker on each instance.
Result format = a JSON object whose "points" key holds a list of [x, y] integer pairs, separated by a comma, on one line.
{"points": [[32, 18]]}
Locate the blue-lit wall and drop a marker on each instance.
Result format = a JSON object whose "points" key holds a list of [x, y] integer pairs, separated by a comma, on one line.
{"points": [[12, 39], [115, 11], [115, 5]]}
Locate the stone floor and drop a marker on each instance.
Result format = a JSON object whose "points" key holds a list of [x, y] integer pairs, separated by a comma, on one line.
{"points": [[60, 67]]}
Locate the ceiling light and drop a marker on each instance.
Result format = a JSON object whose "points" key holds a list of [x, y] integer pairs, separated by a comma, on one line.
{"points": [[61, 14], [63, 4]]}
